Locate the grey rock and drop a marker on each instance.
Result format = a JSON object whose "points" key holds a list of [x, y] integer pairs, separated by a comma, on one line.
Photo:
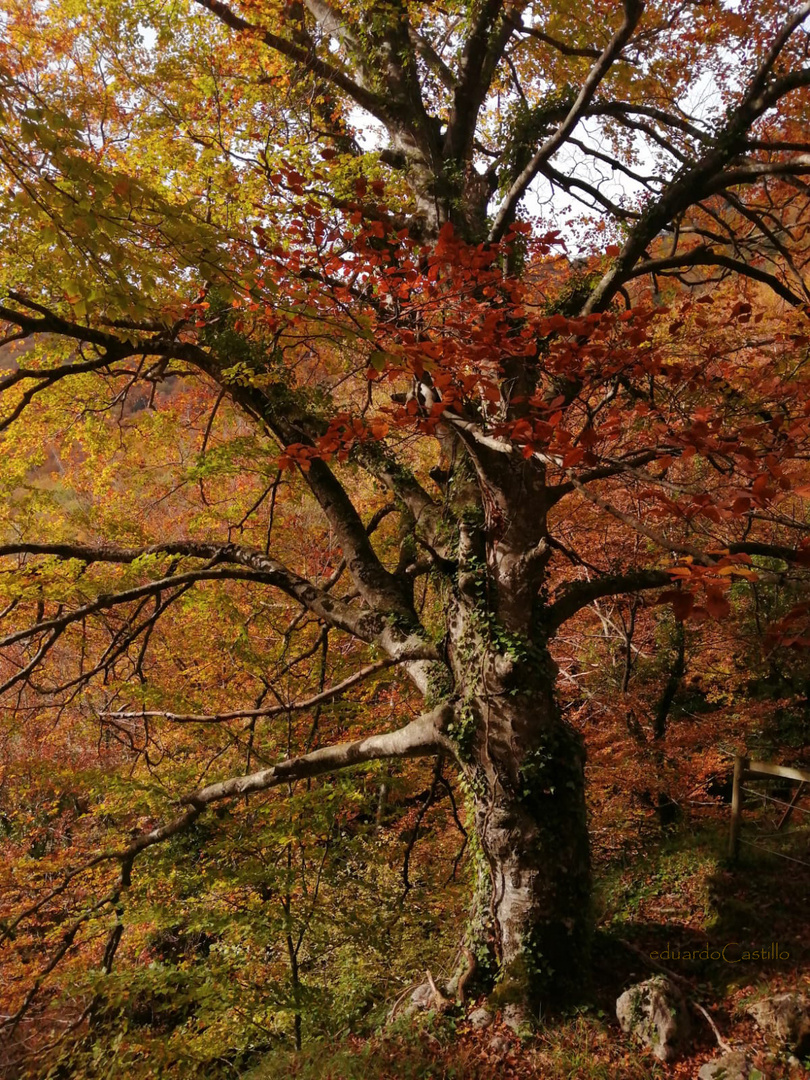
{"points": [[654, 1012], [518, 1019], [499, 1044], [480, 1018], [422, 997], [731, 1066], [786, 1019]]}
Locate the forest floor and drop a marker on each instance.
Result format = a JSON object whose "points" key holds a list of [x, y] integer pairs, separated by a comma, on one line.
{"points": [[677, 895]]}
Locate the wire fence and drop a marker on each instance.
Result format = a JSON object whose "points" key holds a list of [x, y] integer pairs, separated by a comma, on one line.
{"points": [[770, 851], [747, 770], [771, 799]]}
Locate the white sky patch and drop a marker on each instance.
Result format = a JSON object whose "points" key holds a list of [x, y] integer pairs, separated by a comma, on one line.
{"points": [[149, 35]]}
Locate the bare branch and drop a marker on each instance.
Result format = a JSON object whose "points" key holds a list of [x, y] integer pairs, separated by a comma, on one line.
{"points": [[369, 626], [420, 738], [329, 694], [760, 80], [555, 43], [382, 590], [55, 324], [603, 472], [795, 556], [706, 256], [632, 13], [432, 58], [579, 594]]}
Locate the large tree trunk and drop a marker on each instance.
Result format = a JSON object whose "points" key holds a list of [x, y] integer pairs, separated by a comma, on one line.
{"points": [[530, 822], [524, 767], [524, 764]]}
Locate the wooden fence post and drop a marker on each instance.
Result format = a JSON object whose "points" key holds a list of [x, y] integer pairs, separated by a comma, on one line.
{"points": [[740, 765]]}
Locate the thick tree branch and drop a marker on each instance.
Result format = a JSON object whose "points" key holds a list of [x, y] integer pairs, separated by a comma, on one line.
{"points": [[306, 57], [432, 59], [109, 600], [653, 112], [286, 420], [580, 594], [51, 323], [603, 472], [423, 736], [706, 256], [382, 590], [368, 626], [400, 481], [480, 56], [751, 172], [795, 556]]}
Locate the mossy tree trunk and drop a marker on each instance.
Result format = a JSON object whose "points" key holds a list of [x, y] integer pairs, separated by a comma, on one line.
{"points": [[527, 779], [523, 764]]}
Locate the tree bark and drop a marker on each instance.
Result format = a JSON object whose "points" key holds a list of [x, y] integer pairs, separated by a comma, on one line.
{"points": [[531, 824], [524, 769]]}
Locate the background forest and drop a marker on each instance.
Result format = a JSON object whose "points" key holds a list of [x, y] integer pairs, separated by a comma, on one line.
{"points": [[404, 414]]}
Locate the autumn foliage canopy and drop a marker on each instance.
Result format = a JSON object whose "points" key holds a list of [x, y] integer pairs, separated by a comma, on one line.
{"points": [[379, 383]]}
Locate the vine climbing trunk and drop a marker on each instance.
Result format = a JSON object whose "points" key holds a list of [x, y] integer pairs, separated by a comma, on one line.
{"points": [[530, 822], [523, 763], [525, 770]]}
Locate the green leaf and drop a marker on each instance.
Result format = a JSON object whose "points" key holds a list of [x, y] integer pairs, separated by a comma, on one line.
{"points": [[378, 360]]}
